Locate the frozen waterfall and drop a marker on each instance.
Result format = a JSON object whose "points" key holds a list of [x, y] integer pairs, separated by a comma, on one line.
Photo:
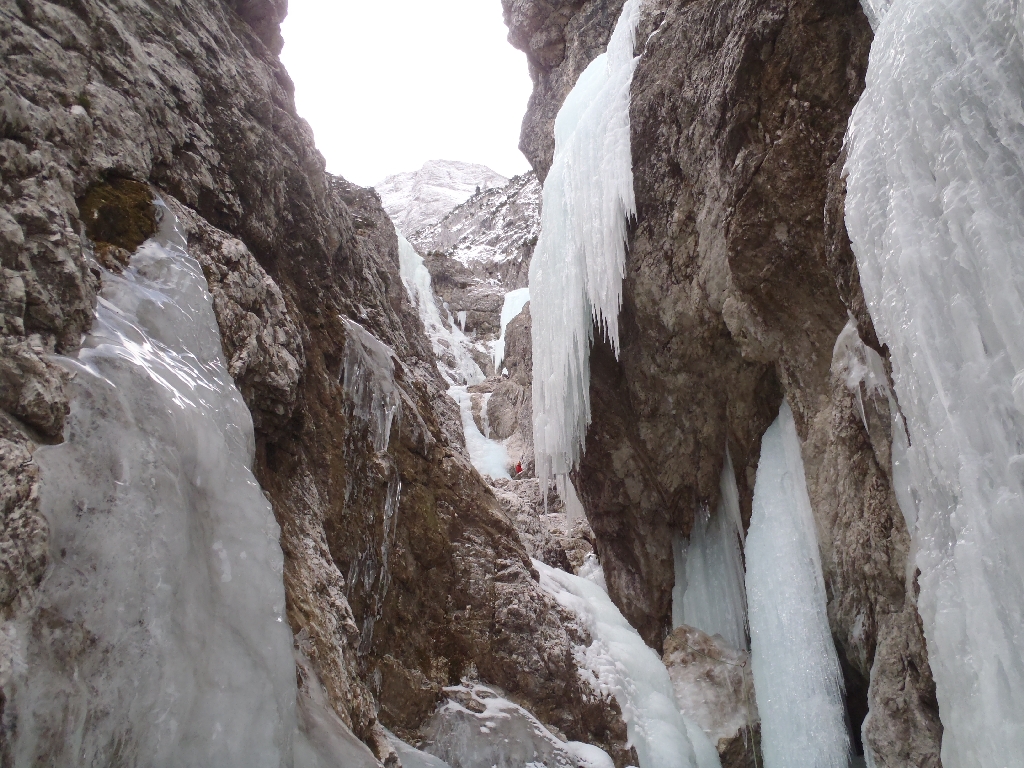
{"points": [[709, 593], [451, 347], [512, 305], [935, 211], [618, 662], [797, 679], [160, 637], [577, 268]]}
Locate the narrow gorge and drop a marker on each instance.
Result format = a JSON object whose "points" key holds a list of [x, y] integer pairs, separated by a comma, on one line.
{"points": [[698, 445]]}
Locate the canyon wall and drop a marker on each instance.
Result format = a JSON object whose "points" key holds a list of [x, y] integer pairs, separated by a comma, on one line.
{"points": [[402, 573], [739, 281]]}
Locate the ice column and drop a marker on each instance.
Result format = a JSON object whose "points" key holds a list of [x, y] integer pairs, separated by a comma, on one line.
{"points": [[510, 309], [160, 638], [797, 678], [451, 347], [709, 593], [936, 215], [577, 268]]}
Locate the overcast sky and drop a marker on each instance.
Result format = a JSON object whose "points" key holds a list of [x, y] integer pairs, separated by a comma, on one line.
{"points": [[390, 85]]}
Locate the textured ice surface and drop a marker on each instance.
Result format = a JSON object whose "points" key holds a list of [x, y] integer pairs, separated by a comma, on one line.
{"points": [[512, 306], [576, 271], [451, 347], [619, 663], [797, 679], [709, 593], [368, 378], [488, 456], [160, 638], [478, 728], [936, 214]]}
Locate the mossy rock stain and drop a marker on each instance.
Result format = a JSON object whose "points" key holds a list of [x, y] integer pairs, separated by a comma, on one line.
{"points": [[118, 214]]}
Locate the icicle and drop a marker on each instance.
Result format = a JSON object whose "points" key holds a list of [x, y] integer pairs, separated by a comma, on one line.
{"points": [[577, 269], [710, 590], [567, 493], [451, 347], [619, 663], [510, 309], [160, 639], [798, 684], [935, 212]]}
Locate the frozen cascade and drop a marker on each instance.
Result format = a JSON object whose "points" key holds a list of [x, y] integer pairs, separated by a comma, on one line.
{"points": [[935, 211], [451, 347], [510, 309], [797, 680], [618, 662], [709, 592], [577, 267], [488, 456], [160, 635]]}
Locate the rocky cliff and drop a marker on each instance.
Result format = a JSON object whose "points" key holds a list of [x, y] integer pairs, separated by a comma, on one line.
{"points": [[739, 281], [402, 572]]}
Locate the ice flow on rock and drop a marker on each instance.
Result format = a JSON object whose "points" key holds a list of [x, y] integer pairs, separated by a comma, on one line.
{"points": [[935, 212]]}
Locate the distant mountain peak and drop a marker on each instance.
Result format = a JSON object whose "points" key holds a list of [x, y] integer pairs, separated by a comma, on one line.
{"points": [[418, 199]]}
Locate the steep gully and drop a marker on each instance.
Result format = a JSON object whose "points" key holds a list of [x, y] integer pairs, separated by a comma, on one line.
{"points": [[736, 298]]}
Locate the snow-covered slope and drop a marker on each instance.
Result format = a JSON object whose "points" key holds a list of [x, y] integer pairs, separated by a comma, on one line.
{"points": [[417, 199], [490, 226]]}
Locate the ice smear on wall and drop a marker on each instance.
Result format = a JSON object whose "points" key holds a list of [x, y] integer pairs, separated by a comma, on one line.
{"points": [[479, 727], [935, 212], [368, 378], [488, 456], [510, 309], [797, 680], [709, 592], [160, 638], [451, 347], [619, 663], [577, 268]]}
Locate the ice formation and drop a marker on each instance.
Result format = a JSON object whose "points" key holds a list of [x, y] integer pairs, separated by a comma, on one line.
{"points": [[160, 638], [797, 680], [479, 727], [577, 268], [451, 347], [709, 592], [490, 457], [619, 663], [935, 211], [510, 309], [368, 378]]}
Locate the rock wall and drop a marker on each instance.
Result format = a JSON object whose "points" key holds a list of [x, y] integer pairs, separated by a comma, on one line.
{"points": [[402, 572], [739, 280]]}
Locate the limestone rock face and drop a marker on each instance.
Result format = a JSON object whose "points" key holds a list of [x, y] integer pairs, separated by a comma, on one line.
{"points": [[714, 687], [739, 279], [402, 572]]}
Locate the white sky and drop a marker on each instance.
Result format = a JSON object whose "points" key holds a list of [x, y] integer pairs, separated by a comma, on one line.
{"points": [[390, 85]]}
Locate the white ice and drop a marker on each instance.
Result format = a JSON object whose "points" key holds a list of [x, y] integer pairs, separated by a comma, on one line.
{"points": [[451, 347], [490, 457], [577, 268], [478, 727], [160, 638], [797, 680], [510, 309], [709, 593], [935, 212], [619, 663]]}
